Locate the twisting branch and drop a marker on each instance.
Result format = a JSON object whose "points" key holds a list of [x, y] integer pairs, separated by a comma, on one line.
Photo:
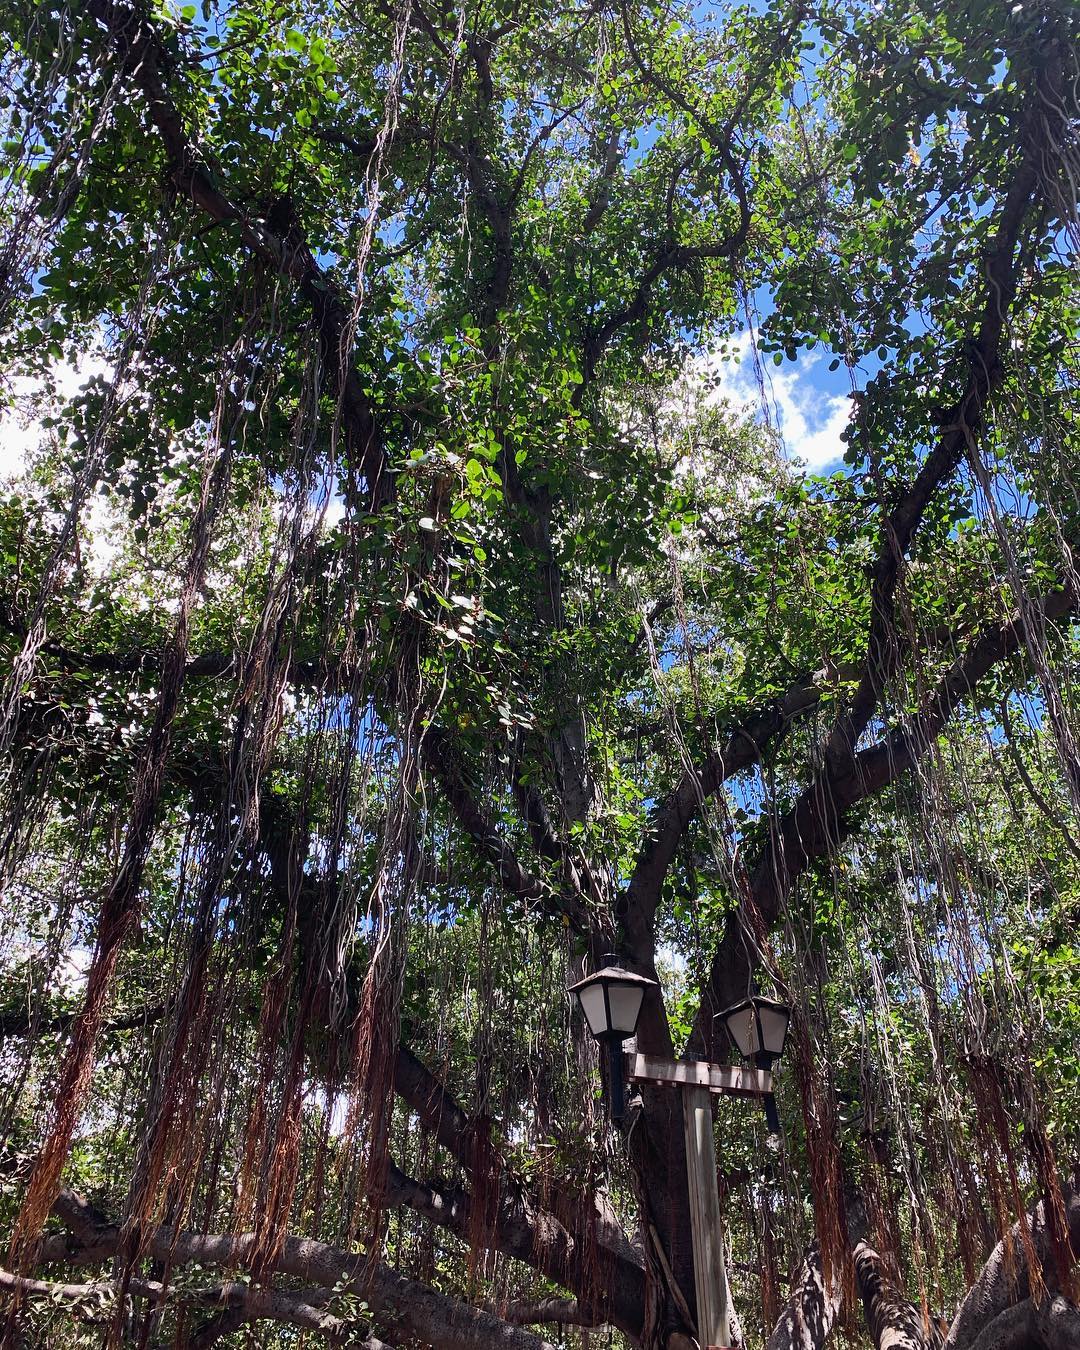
{"points": [[672, 255], [742, 747], [136, 42], [819, 821], [516, 879], [415, 1310]]}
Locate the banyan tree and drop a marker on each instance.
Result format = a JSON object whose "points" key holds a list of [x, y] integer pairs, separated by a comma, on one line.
{"points": [[413, 587]]}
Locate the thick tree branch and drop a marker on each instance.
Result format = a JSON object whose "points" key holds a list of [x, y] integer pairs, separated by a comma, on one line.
{"points": [[550, 1236], [566, 1312], [413, 1309], [819, 821], [1051, 1325], [1005, 1279], [742, 748], [535, 1238], [93, 1301], [810, 1311], [894, 1323]]}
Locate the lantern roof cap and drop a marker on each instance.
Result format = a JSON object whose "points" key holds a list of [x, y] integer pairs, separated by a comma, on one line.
{"points": [[754, 1001], [613, 972]]}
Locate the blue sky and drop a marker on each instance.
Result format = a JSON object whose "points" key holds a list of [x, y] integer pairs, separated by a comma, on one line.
{"points": [[805, 402]]}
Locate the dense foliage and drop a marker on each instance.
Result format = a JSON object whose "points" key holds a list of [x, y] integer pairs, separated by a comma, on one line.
{"points": [[399, 616]]}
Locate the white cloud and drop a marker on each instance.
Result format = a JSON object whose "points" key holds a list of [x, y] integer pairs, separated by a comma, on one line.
{"points": [[809, 421]]}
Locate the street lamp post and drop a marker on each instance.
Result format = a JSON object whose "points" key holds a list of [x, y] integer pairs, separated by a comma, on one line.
{"points": [[758, 1027], [611, 1001]]}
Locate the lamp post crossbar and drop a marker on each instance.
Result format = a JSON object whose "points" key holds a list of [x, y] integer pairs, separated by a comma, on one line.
{"points": [[730, 1079]]}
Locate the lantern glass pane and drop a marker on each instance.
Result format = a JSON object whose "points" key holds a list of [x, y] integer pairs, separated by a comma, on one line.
{"points": [[774, 1023], [592, 1005], [743, 1027], [625, 1006]]}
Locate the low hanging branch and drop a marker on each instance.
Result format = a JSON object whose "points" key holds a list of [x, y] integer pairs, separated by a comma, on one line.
{"points": [[95, 1302], [414, 1310]]}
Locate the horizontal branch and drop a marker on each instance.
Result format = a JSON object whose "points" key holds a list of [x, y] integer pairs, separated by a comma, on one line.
{"points": [[24, 1022], [94, 1301], [415, 1310], [566, 1312]]}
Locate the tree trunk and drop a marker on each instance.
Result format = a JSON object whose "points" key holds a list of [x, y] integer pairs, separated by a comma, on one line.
{"points": [[995, 1291]]}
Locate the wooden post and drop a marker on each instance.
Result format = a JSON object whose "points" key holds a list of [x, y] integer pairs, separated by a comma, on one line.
{"points": [[697, 1080], [710, 1276]]}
